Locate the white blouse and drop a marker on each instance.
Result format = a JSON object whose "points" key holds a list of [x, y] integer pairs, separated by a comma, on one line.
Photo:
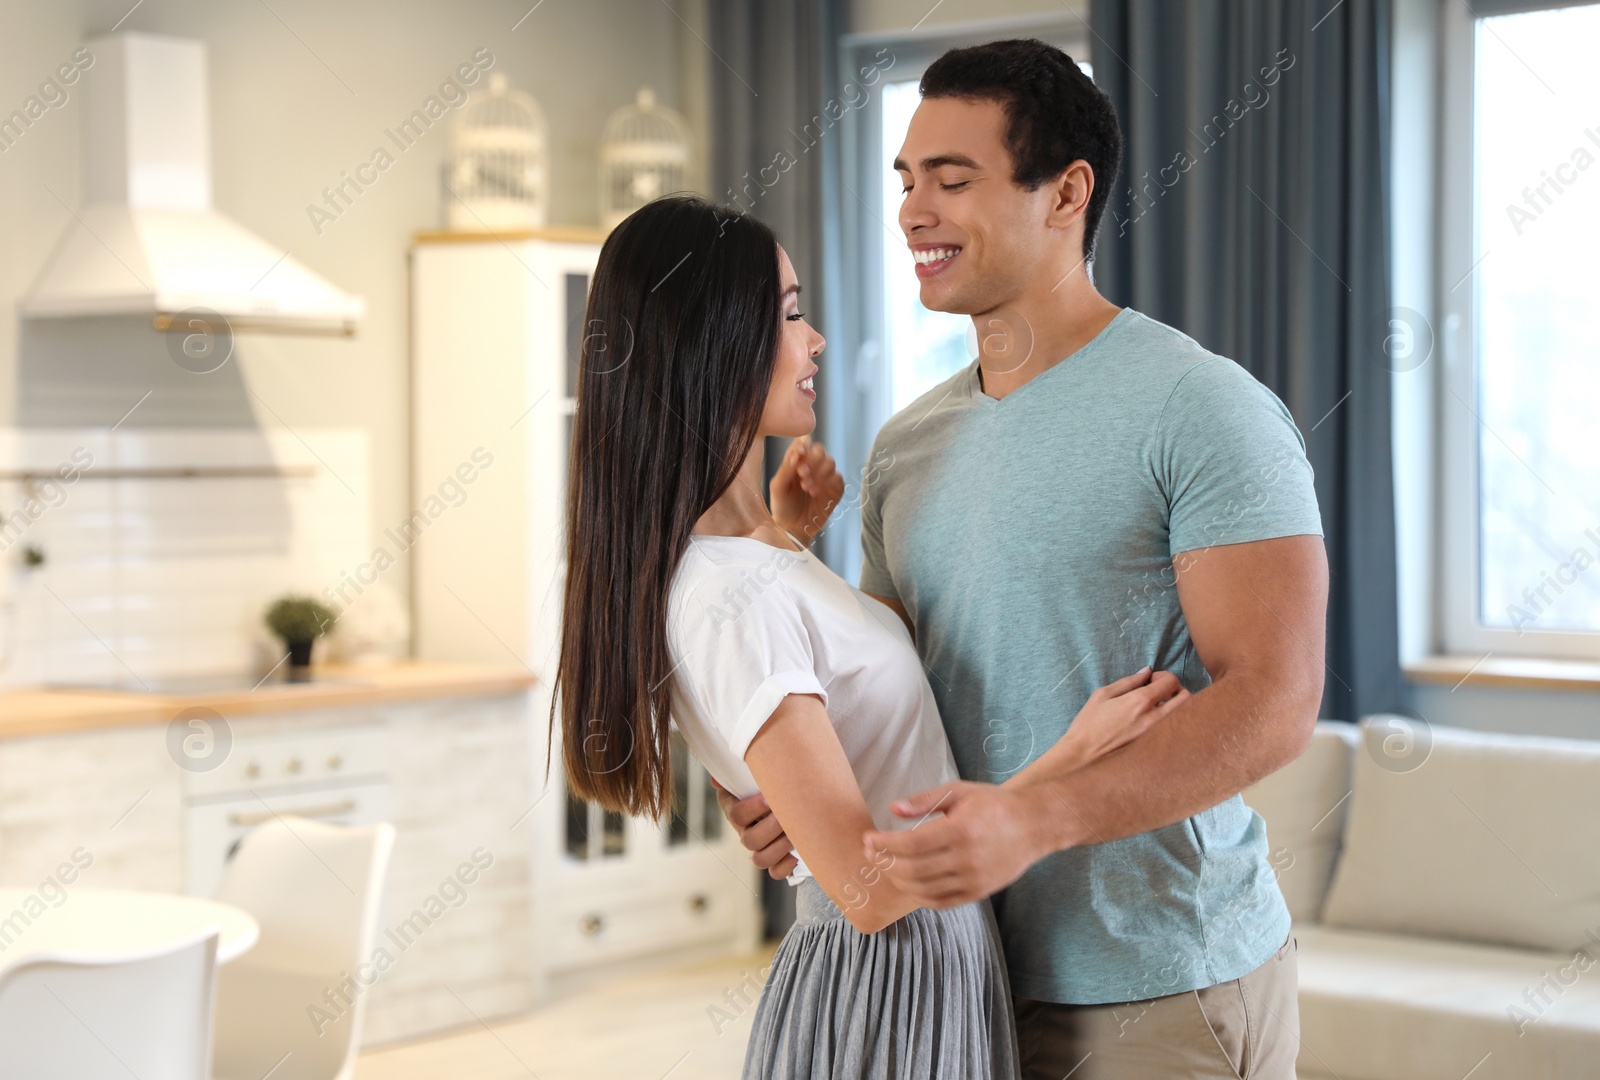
{"points": [[749, 623]]}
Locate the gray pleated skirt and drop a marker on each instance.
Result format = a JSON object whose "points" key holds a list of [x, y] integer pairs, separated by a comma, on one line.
{"points": [[924, 999]]}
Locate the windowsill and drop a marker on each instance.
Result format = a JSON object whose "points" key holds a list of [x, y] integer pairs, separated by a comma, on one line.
{"points": [[1514, 672]]}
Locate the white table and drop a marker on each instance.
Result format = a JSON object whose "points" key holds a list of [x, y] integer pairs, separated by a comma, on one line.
{"points": [[114, 924]]}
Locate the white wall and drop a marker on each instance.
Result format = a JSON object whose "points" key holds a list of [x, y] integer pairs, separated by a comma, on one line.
{"points": [[1570, 714], [152, 578], [284, 123]]}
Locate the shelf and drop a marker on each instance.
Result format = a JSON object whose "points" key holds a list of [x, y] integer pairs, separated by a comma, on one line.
{"points": [[175, 472], [1520, 673], [564, 234], [46, 711]]}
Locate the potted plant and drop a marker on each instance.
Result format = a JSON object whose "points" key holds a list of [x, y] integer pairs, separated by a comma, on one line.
{"points": [[298, 621]]}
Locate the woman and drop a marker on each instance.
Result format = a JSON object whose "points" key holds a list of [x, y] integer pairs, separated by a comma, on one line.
{"points": [[689, 604]]}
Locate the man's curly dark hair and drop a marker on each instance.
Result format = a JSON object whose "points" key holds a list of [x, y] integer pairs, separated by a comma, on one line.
{"points": [[1055, 114]]}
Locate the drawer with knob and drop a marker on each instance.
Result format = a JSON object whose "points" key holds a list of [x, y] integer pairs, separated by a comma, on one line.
{"points": [[582, 929]]}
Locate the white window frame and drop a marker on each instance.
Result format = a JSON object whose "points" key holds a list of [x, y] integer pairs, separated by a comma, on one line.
{"points": [[1458, 577]]}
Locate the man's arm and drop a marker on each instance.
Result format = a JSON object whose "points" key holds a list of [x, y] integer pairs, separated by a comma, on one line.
{"points": [[1256, 615]]}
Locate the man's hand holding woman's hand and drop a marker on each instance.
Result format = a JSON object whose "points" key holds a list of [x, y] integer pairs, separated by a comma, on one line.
{"points": [[985, 835], [759, 831]]}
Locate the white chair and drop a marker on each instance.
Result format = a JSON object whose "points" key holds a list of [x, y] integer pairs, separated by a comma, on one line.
{"points": [[66, 1018], [292, 1006]]}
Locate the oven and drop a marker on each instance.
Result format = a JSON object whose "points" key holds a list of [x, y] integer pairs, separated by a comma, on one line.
{"points": [[337, 774]]}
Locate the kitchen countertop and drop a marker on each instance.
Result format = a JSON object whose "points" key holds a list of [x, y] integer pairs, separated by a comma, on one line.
{"points": [[46, 710]]}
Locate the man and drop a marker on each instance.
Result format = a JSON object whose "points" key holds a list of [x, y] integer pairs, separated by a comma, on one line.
{"points": [[1094, 494]]}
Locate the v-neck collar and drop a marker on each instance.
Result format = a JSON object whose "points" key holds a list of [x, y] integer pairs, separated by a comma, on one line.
{"points": [[975, 385]]}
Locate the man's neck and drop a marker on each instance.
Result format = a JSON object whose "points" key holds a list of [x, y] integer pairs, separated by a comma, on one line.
{"points": [[1018, 342]]}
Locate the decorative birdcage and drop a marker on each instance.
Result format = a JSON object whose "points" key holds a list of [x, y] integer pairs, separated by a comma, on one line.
{"points": [[498, 174], [644, 154]]}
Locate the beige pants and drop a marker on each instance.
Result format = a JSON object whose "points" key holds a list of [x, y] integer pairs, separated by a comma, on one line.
{"points": [[1246, 1029]]}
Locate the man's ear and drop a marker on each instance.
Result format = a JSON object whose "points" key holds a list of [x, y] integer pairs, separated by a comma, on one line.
{"points": [[1070, 193]]}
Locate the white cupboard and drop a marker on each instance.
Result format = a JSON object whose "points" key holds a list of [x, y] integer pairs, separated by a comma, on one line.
{"points": [[454, 770], [496, 329]]}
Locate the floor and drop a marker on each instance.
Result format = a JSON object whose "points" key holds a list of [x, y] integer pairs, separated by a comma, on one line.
{"points": [[688, 1023]]}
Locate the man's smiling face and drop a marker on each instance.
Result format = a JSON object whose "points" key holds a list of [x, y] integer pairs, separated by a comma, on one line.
{"points": [[976, 235]]}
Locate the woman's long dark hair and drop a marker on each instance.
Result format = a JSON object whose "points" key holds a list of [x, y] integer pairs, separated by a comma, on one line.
{"points": [[681, 339]]}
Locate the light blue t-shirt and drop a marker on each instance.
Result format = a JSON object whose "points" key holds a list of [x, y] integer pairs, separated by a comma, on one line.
{"points": [[1031, 540]]}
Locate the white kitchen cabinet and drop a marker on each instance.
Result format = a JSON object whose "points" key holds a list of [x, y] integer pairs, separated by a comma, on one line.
{"points": [[112, 794], [112, 806], [460, 778], [496, 329]]}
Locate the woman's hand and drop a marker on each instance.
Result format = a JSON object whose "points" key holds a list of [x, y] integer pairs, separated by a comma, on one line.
{"points": [[805, 489], [1114, 716], [1120, 712]]}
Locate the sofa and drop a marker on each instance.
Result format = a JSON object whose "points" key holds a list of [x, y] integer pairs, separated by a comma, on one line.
{"points": [[1445, 890]]}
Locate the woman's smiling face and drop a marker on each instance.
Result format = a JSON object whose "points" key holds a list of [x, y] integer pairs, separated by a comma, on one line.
{"points": [[788, 411]]}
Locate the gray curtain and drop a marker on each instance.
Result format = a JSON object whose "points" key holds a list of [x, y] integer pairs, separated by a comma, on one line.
{"points": [[770, 154], [1252, 215], [773, 154]]}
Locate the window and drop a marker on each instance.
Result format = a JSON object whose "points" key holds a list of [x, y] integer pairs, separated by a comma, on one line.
{"points": [[1520, 402], [923, 347]]}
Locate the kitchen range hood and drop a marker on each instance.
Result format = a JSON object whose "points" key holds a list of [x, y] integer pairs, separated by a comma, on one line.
{"points": [[146, 240]]}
